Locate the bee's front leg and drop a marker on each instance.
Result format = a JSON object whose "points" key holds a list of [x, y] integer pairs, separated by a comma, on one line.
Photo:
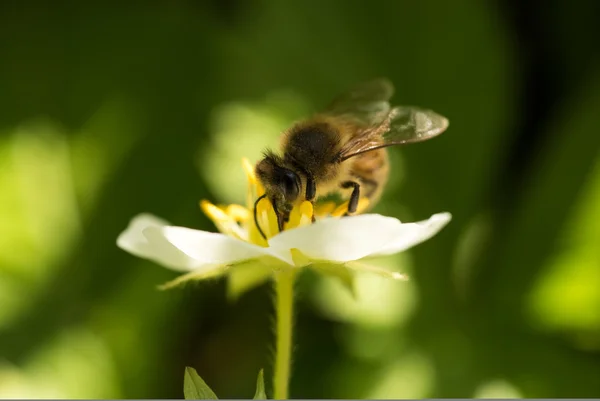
{"points": [[282, 217], [311, 188], [354, 197], [311, 193]]}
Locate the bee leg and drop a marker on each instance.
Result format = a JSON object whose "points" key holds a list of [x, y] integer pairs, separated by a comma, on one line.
{"points": [[282, 221], [311, 188], [311, 192], [354, 197], [281, 218]]}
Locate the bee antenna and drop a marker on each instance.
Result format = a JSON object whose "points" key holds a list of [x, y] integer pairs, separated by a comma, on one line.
{"points": [[263, 196]]}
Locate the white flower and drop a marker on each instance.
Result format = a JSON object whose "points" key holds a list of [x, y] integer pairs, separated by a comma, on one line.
{"points": [[331, 240]]}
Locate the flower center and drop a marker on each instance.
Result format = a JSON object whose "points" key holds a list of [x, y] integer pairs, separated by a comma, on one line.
{"points": [[238, 221]]}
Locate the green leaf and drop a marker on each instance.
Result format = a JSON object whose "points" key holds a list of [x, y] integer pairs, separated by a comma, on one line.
{"points": [[373, 269], [246, 275], [338, 271], [204, 274], [300, 260], [194, 388], [260, 387]]}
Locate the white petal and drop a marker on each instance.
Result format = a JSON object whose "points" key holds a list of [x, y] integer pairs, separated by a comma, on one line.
{"points": [[353, 238], [132, 240], [339, 239], [205, 248], [411, 234], [135, 242]]}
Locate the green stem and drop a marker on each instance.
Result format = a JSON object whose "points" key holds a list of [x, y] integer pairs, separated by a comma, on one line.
{"points": [[284, 302]]}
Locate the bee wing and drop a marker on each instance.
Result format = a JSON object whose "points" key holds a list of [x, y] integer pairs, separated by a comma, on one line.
{"points": [[402, 125], [367, 103]]}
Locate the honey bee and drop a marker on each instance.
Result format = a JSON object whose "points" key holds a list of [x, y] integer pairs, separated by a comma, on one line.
{"points": [[343, 149]]}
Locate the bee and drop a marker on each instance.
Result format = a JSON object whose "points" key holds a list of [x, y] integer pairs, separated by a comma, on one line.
{"points": [[342, 149]]}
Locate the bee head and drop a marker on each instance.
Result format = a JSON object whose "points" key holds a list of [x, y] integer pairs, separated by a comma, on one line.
{"points": [[282, 185]]}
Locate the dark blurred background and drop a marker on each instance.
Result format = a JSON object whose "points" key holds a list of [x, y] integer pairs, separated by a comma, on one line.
{"points": [[108, 111]]}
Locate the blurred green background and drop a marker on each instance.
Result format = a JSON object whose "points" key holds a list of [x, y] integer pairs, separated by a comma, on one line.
{"points": [[107, 111]]}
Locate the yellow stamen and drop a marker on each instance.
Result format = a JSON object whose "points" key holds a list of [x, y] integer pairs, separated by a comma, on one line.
{"points": [[325, 208], [306, 213], [237, 212], [251, 177], [363, 204], [267, 218], [306, 209], [249, 169], [226, 221], [213, 212], [238, 221], [295, 217], [340, 210], [259, 189], [255, 188]]}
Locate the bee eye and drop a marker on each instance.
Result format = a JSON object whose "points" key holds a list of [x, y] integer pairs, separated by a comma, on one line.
{"points": [[290, 185]]}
